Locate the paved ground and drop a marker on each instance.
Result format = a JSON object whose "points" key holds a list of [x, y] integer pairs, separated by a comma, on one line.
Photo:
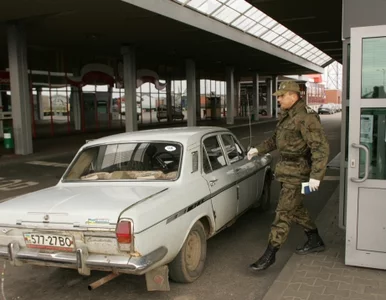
{"points": [[324, 276], [229, 253]]}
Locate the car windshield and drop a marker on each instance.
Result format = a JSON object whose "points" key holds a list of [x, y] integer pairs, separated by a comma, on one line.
{"points": [[128, 161]]}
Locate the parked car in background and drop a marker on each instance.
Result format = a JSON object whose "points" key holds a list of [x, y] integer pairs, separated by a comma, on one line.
{"points": [[162, 113], [326, 109], [138, 203], [337, 107]]}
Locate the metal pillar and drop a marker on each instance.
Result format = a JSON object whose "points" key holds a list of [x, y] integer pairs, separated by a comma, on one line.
{"points": [[75, 104], [274, 98], [269, 96], [255, 95], [230, 95], [237, 97], [198, 99], [21, 104], [39, 104], [130, 84], [75, 108], [191, 91], [169, 98]]}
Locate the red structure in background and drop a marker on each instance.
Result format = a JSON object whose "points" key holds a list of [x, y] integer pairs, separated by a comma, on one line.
{"points": [[313, 92], [316, 77]]}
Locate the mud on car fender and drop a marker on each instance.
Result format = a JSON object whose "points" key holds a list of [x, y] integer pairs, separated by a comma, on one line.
{"points": [[207, 222]]}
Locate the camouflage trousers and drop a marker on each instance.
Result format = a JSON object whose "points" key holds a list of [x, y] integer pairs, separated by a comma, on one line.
{"points": [[289, 209]]}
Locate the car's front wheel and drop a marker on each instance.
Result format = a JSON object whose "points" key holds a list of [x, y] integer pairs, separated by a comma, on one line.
{"points": [[189, 263]]}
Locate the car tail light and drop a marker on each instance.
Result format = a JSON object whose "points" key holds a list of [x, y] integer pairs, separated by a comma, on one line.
{"points": [[123, 232]]}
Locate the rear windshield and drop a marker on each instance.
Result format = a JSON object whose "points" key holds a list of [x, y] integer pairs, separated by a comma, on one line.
{"points": [[129, 161]]}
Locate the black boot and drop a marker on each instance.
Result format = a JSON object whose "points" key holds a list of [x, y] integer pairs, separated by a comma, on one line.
{"points": [[314, 243], [267, 259]]}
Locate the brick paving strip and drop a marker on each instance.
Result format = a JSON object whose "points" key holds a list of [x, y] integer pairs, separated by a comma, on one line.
{"points": [[324, 276]]}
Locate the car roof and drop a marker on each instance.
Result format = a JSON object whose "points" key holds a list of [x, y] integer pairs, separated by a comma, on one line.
{"points": [[183, 135]]}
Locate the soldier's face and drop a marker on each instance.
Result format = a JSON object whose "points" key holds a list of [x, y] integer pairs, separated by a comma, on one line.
{"points": [[287, 100]]}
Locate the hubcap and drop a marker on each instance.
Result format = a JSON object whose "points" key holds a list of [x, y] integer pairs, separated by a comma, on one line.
{"points": [[193, 251]]}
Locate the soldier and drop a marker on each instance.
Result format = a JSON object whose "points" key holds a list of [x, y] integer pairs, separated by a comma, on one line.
{"points": [[304, 150]]}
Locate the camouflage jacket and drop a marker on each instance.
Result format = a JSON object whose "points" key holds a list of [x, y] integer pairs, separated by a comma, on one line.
{"points": [[302, 144]]}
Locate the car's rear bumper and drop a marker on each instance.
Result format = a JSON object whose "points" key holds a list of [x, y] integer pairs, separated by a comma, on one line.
{"points": [[81, 260]]}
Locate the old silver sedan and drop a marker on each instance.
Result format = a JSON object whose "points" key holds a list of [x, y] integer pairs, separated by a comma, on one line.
{"points": [[138, 203]]}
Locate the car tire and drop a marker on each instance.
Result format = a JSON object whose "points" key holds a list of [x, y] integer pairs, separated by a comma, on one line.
{"points": [[189, 263], [265, 198]]}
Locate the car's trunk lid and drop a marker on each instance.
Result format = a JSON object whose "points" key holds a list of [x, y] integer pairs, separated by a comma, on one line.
{"points": [[78, 206]]}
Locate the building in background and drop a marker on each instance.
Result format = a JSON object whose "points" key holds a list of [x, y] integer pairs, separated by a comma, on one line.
{"points": [[334, 96]]}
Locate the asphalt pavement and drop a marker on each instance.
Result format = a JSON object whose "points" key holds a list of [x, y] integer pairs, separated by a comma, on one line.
{"points": [[226, 275]]}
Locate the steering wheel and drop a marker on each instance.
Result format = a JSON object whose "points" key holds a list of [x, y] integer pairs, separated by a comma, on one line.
{"points": [[158, 158]]}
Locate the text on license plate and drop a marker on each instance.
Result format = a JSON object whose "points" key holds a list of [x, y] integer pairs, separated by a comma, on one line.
{"points": [[49, 241]]}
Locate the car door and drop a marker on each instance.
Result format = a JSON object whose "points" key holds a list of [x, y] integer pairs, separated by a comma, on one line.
{"points": [[247, 180], [221, 180]]}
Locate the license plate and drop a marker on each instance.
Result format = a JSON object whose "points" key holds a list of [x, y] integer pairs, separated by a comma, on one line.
{"points": [[49, 241]]}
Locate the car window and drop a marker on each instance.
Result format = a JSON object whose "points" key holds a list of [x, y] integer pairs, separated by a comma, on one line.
{"points": [[232, 149], [194, 161], [127, 161], [213, 156], [206, 164]]}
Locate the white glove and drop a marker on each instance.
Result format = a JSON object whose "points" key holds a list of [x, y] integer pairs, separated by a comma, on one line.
{"points": [[251, 153], [314, 184]]}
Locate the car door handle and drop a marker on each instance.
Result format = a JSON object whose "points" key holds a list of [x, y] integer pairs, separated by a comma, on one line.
{"points": [[237, 170], [213, 182]]}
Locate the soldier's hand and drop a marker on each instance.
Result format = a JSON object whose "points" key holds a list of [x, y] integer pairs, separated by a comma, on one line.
{"points": [[314, 184], [251, 153]]}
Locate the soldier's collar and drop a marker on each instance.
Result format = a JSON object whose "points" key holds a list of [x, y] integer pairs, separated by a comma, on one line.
{"points": [[300, 104]]}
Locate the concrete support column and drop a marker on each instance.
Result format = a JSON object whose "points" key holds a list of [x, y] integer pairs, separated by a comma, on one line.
{"points": [[230, 95], [76, 108], [274, 98], [269, 96], [169, 97], [255, 95], [191, 91], [198, 99], [237, 97], [75, 104], [39, 104], [130, 84], [21, 105]]}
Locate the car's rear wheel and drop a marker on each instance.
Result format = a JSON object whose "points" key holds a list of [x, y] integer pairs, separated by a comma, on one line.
{"points": [[189, 263]]}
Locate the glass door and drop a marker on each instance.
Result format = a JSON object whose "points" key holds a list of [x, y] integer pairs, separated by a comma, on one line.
{"points": [[366, 173]]}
